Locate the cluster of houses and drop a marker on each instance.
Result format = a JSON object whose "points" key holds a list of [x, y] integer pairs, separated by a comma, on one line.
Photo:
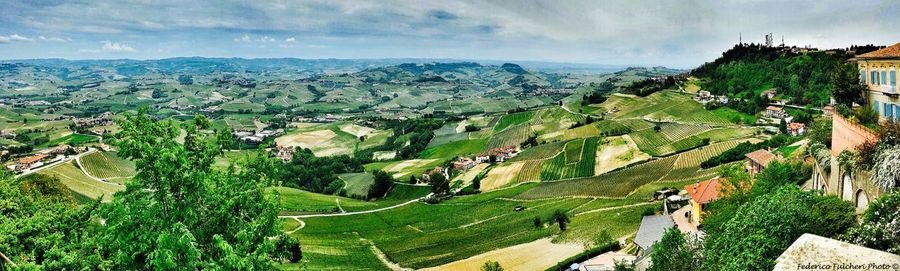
{"points": [[705, 97], [497, 155], [774, 114], [100, 120], [324, 119], [43, 157], [22, 102], [256, 136]]}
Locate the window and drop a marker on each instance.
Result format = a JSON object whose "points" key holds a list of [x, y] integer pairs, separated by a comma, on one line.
{"points": [[873, 79], [888, 110], [897, 111], [883, 77], [893, 77], [876, 107], [862, 76]]}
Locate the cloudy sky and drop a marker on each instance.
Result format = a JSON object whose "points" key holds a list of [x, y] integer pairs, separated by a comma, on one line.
{"points": [[679, 34]]}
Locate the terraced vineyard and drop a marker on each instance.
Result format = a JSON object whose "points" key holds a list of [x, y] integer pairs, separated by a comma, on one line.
{"points": [[107, 165], [540, 152], [530, 172], [512, 136], [357, 184], [513, 119], [687, 167], [614, 184], [678, 131], [577, 161], [652, 142]]}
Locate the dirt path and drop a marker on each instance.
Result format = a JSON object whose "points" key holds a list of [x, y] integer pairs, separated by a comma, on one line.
{"points": [[616, 208], [302, 225], [81, 167], [357, 212], [383, 258]]}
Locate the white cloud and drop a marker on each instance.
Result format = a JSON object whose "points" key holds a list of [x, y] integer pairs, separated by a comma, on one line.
{"points": [[290, 40], [14, 38], [265, 39], [55, 39], [111, 47], [245, 38]]}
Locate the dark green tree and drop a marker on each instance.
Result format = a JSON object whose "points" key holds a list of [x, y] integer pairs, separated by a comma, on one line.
{"points": [[491, 266], [178, 213], [439, 183], [561, 218], [382, 184], [676, 253], [847, 87]]}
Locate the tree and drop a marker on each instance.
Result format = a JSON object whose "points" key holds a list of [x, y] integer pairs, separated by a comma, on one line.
{"points": [[381, 185], [674, 252], [765, 226], [179, 213], [820, 131], [560, 218], [491, 266], [413, 180], [439, 183], [537, 222], [782, 126], [880, 227], [847, 89]]}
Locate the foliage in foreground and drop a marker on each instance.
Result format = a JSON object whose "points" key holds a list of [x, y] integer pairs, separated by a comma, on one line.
{"points": [[176, 214]]}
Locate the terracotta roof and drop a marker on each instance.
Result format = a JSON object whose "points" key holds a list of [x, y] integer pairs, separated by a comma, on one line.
{"points": [[32, 159], [705, 191], [762, 157], [796, 125], [773, 108], [892, 51]]}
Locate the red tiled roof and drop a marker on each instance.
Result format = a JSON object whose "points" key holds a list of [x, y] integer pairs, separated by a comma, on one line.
{"points": [[705, 191], [892, 51], [32, 159], [773, 108], [762, 157]]}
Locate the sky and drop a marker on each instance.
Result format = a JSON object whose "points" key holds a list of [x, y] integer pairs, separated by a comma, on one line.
{"points": [[678, 34]]}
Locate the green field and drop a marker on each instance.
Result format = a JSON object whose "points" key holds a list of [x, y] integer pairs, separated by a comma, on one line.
{"points": [[418, 236], [108, 166], [614, 184], [513, 119], [576, 161], [357, 184]]}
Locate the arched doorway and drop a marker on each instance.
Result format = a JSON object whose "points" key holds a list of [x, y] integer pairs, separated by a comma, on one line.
{"points": [[862, 200], [847, 188]]}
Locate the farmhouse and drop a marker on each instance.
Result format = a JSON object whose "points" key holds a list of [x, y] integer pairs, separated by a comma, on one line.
{"points": [[770, 93], [702, 193], [285, 153], [30, 162], [759, 160], [61, 149], [704, 96], [814, 249], [796, 128], [464, 163], [500, 154], [775, 112], [651, 231]]}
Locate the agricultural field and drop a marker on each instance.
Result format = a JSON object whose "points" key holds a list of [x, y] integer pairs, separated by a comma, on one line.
{"points": [[334, 138], [513, 119], [578, 160], [617, 152], [404, 169], [540, 152], [501, 176], [412, 237], [81, 184], [512, 136], [357, 184], [108, 166], [618, 183]]}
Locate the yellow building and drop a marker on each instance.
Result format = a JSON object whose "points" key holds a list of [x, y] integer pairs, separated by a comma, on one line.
{"points": [[878, 70], [702, 193]]}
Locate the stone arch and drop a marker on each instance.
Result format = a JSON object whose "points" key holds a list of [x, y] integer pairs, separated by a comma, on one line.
{"points": [[862, 200], [847, 188]]}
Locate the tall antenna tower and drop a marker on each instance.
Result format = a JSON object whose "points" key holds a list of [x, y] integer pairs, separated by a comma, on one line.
{"points": [[740, 38], [769, 39], [782, 40]]}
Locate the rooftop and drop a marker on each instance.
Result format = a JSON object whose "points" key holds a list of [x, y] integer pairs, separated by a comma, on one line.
{"points": [[705, 191], [892, 51], [651, 230], [762, 157]]}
